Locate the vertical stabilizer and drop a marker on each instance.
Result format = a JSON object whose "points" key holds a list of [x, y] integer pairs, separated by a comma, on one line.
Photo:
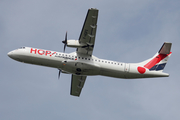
{"points": [[159, 60], [165, 49]]}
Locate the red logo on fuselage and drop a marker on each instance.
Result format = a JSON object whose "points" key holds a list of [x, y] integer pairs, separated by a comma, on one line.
{"points": [[42, 52], [141, 70]]}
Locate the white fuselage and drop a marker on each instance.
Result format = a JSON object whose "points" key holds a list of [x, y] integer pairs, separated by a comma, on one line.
{"points": [[78, 64]]}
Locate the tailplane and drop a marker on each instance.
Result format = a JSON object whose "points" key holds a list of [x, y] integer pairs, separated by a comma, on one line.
{"points": [[159, 60]]}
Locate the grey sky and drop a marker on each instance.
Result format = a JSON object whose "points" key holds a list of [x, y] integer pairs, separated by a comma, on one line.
{"points": [[128, 31]]}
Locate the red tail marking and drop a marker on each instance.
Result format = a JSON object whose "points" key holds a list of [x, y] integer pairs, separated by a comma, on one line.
{"points": [[156, 60]]}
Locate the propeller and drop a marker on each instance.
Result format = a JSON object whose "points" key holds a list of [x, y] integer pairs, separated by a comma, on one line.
{"points": [[59, 73], [65, 44], [65, 41]]}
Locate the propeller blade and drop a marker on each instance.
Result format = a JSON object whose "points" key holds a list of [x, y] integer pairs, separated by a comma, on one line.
{"points": [[59, 73], [65, 41], [64, 47], [66, 37]]}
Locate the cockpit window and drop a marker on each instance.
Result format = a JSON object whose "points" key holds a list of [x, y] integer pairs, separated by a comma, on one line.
{"points": [[22, 48]]}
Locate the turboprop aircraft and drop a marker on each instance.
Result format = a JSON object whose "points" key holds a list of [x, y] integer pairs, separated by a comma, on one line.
{"points": [[82, 63]]}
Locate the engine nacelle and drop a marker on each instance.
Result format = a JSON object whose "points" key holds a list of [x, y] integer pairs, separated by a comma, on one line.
{"points": [[74, 43]]}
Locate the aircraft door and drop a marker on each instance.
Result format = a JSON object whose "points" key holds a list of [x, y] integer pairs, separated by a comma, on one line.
{"points": [[126, 67]]}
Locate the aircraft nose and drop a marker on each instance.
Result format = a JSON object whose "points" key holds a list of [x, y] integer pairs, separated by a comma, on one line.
{"points": [[10, 54], [14, 55]]}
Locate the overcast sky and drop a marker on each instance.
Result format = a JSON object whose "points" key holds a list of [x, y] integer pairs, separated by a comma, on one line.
{"points": [[128, 31]]}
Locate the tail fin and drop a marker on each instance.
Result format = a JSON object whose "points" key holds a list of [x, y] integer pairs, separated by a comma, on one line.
{"points": [[159, 60]]}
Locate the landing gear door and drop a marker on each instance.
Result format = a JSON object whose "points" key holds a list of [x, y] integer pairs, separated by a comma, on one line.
{"points": [[79, 67], [126, 67]]}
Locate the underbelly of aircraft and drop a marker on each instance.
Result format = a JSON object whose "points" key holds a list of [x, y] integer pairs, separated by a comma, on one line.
{"points": [[80, 68]]}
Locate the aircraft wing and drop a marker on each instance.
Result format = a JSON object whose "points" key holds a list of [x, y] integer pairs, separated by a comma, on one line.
{"points": [[77, 83], [88, 32]]}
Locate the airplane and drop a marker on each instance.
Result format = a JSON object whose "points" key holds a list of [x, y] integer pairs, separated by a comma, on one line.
{"points": [[82, 63]]}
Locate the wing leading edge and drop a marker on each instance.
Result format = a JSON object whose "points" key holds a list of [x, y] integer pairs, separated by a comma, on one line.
{"points": [[88, 32]]}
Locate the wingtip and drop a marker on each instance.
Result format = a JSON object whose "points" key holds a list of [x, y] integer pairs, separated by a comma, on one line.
{"points": [[93, 9]]}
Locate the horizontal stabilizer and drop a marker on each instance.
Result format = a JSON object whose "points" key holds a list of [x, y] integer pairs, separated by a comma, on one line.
{"points": [[165, 49]]}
